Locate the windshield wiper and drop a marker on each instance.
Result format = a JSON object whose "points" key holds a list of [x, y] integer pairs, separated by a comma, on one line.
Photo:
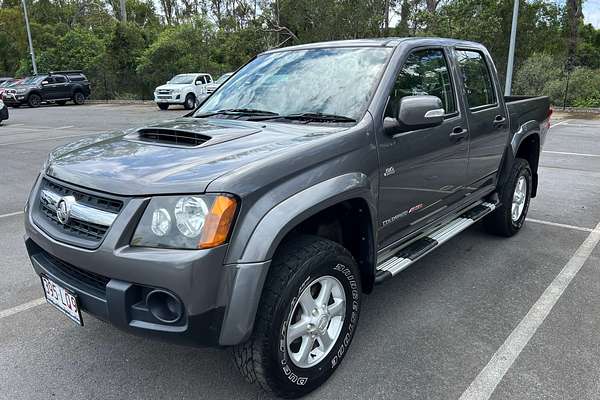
{"points": [[241, 112], [312, 117]]}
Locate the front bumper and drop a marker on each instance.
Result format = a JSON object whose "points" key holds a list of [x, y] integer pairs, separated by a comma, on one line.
{"points": [[12, 99], [219, 301], [169, 98]]}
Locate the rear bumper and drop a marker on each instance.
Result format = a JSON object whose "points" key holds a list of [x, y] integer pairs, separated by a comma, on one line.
{"points": [[219, 301]]}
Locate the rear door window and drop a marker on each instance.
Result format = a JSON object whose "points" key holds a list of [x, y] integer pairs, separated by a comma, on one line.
{"points": [[476, 79], [425, 72]]}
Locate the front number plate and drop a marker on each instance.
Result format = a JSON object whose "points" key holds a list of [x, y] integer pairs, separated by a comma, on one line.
{"points": [[62, 299]]}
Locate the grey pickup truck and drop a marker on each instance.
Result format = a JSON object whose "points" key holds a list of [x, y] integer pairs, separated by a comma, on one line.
{"points": [[261, 219]]}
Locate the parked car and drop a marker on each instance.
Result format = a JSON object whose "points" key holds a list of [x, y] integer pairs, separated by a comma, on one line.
{"points": [[262, 219], [7, 83], [3, 111], [56, 87], [210, 88], [183, 89]]}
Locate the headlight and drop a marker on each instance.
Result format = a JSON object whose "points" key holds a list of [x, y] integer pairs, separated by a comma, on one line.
{"points": [[186, 222]]}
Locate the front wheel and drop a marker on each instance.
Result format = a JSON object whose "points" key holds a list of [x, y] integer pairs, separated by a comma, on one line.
{"points": [[515, 195], [34, 100], [190, 102], [306, 318]]}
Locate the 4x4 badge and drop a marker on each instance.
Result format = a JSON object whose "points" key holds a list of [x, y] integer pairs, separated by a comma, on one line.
{"points": [[63, 209]]}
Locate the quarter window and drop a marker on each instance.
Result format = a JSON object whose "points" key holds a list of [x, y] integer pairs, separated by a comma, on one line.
{"points": [[476, 78], [425, 72]]}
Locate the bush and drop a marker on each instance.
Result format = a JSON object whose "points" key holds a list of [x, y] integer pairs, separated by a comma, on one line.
{"points": [[542, 74]]}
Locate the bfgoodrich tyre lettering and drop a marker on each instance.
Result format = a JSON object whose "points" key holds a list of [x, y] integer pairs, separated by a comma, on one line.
{"points": [[297, 266]]}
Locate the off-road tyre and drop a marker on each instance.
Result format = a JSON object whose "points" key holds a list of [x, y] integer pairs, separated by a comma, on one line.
{"points": [[500, 222], [190, 102], [78, 98], [163, 106], [34, 100], [264, 358]]}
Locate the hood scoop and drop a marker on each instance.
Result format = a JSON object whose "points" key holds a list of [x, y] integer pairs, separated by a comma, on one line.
{"points": [[188, 134], [170, 137]]}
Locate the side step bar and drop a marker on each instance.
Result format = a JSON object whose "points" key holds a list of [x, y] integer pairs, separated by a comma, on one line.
{"points": [[414, 251]]}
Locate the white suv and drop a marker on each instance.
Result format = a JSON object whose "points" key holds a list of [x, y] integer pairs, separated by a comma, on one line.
{"points": [[184, 89]]}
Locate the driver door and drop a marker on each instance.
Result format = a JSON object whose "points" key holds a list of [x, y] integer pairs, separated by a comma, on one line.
{"points": [[422, 171]]}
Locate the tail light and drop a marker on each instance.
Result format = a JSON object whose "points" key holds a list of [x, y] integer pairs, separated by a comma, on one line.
{"points": [[550, 111]]}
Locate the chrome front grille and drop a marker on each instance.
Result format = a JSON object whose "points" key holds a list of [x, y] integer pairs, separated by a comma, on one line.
{"points": [[164, 91], [82, 218]]}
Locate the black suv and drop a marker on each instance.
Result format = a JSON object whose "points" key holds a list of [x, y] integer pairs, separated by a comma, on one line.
{"points": [[54, 87]]}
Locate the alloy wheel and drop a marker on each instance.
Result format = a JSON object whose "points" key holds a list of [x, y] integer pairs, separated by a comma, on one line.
{"points": [[316, 321]]}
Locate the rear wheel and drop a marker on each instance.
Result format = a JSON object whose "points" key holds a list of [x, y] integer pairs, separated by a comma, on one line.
{"points": [[163, 106], [306, 319], [190, 102], [34, 100], [78, 98], [515, 195]]}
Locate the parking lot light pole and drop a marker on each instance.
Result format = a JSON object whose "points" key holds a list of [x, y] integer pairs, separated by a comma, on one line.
{"points": [[29, 38], [511, 50]]}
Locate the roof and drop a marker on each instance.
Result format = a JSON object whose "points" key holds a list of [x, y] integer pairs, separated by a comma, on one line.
{"points": [[378, 42]]}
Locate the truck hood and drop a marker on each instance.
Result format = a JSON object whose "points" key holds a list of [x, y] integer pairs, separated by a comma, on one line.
{"points": [[16, 87], [122, 163], [173, 86]]}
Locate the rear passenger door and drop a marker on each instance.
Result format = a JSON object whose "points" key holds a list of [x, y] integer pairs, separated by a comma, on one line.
{"points": [[421, 170], [62, 87], [486, 113]]}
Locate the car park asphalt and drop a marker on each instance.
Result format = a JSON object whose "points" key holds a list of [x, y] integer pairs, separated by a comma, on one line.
{"points": [[481, 317]]}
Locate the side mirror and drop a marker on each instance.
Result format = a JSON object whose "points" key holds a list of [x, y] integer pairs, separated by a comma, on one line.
{"points": [[420, 111]]}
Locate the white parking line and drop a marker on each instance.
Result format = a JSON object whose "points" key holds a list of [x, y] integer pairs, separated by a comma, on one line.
{"points": [[559, 123], [577, 228], [488, 379], [51, 138], [22, 307], [11, 214], [571, 154]]}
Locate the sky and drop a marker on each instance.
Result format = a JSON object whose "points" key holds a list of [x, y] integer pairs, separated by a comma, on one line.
{"points": [[591, 12]]}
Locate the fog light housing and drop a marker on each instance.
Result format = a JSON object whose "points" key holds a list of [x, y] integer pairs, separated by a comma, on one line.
{"points": [[164, 306]]}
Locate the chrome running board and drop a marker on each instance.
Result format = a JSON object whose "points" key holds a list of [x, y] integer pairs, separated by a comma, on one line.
{"points": [[406, 256]]}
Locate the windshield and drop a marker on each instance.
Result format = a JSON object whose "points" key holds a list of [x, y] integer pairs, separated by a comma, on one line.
{"points": [[182, 79], [337, 81], [33, 80], [223, 78]]}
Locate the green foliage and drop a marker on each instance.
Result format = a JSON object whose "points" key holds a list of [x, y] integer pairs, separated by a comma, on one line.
{"points": [[543, 74], [166, 37]]}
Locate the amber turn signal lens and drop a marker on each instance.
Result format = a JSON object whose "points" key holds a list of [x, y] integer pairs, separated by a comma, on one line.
{"points": [[218, 222]]}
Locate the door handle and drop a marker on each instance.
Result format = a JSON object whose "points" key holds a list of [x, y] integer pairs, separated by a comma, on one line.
{"points": [[499, 121], [458, 133]]}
